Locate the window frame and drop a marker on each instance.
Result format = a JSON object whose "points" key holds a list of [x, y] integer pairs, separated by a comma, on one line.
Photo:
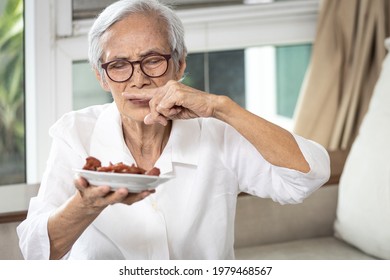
{"points": [[54, 41]]}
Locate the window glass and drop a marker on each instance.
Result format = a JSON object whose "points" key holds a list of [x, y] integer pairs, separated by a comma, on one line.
{"points": [[291, 64], [12, 130], [227, 74], [86, 88], [195, 71], [218, 72]]}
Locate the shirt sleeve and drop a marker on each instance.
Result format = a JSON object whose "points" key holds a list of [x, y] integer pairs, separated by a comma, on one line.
{"points": [[33, 238], [258, 177], [55, 189]]}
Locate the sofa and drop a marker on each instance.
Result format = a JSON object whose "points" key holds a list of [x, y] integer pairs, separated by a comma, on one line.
{"points": [[265, 230], [347, 220]]}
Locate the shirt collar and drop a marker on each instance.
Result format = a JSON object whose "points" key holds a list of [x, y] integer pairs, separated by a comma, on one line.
{"points": [[108, 145]]}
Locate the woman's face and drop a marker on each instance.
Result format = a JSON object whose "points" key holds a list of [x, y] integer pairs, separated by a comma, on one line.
{"points": [[133, 38]]}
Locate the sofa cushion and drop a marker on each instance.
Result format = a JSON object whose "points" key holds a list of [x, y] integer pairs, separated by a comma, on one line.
{"points": [[262, 221], [322, 248], [363, 213]]}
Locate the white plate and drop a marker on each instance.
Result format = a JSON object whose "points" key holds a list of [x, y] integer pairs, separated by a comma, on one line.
{"points": [[133, 182]]}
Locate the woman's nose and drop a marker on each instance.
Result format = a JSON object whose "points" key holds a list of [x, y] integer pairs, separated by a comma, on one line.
{"points": [[138, 78]]}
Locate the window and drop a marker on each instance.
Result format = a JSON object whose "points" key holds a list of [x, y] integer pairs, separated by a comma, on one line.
{"points": [[12, 131]]}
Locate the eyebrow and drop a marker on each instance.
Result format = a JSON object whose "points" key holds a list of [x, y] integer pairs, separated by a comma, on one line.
{"points": [[142, 55], [149, 52]]}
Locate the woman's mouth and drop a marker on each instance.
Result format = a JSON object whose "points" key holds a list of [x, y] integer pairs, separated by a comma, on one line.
{"points": [[139, 102]]}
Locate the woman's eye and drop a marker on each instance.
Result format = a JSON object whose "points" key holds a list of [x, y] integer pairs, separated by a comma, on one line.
{"points": [[152, 61], [118, 65]]}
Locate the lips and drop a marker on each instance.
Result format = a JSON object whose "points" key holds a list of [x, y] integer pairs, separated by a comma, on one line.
{"points": [[139, 102]]}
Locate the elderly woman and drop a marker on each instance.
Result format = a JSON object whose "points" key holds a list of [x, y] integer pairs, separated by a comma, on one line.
{"points": [[212, 147]]}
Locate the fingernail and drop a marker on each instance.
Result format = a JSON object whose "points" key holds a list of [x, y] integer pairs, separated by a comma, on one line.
{"points": [[147, 119]]}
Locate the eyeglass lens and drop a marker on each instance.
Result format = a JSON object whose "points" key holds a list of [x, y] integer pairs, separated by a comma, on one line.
{"points": [[152, 66]]}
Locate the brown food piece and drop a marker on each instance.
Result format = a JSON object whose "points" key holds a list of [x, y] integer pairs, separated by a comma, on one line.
{"points": [[121, 168], [153, 172], [94, 164]]}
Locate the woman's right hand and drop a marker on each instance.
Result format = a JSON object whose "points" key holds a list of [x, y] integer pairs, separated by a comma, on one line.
{"points": [[69, 221], [95, 198]]}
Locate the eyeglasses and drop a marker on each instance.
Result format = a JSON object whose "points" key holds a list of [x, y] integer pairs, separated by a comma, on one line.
{"points": [[121, 70]]}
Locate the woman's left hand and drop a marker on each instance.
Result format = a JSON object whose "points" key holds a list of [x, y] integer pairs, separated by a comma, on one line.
{"points": [[174, 100]]}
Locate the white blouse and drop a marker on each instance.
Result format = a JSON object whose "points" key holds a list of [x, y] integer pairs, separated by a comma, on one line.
{"points": [[190, 216]]}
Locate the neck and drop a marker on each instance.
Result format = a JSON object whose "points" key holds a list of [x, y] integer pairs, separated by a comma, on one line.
{"points": [[145, 142]]}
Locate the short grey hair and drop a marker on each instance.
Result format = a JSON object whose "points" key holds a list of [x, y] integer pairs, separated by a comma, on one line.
{"points": [[122, 9]]}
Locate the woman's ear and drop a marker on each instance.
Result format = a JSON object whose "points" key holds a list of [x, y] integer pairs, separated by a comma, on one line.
{"points": [[182, 68], [102, 81]]}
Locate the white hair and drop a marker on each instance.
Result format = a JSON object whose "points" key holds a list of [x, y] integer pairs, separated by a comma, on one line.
{"points": [[123, 8]]}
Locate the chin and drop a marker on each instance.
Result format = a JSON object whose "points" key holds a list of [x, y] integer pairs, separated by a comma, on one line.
{"points": [[136, 114]]}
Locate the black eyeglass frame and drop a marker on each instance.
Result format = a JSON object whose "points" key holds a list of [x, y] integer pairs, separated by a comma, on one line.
{"points": [[167, 57]]}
